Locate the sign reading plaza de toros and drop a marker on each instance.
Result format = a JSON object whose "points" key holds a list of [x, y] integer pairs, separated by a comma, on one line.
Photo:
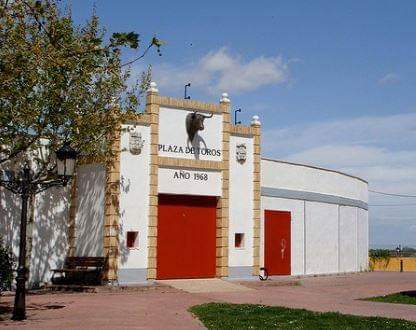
{"points": [[189, 150], [177, 140]]}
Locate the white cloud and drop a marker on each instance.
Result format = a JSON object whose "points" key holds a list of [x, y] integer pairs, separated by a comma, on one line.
{"points": [[384, 169], [221, 71], [388, 79], [379, 149], [394, 132], [354, 156]]}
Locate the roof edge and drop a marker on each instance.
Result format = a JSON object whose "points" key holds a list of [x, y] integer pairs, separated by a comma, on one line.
{"points": [[314, 167]]}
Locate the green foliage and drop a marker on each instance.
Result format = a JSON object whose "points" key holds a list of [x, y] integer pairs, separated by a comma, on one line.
{"points": [[61, 82], [232, 316], [120, 39], [379, 254], [6, 268], [395, 298]]}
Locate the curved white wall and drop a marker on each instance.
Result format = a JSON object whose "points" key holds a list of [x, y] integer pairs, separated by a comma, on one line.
{"points": [[285, 175], [329, 229]]}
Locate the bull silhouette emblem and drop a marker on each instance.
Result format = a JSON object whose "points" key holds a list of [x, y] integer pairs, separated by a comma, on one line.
{"points": [[195, 123]]}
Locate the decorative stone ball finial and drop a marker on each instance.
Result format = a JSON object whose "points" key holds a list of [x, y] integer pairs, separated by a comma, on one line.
{"points": [[255, 121], [224, 98], [152, 88]]}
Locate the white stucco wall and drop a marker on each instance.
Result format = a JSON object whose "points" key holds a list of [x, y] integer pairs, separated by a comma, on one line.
{"points": [[362, 239], [348, 239], [49, 234], [241, 204], [10, 207], [326, 237], [89, 219], [305, 178], [321, 222], [134, 198], [48, 230]]}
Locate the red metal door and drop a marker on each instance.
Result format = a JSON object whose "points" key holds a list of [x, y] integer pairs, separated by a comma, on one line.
{"points": [[186, 237], [277, 242]]}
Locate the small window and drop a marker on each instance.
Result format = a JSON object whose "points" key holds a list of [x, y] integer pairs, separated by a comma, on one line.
{"points": [[132, 239], [239, 240]]}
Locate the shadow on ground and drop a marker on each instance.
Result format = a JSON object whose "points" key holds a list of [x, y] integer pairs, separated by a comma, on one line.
{"points": [[6, 309]]}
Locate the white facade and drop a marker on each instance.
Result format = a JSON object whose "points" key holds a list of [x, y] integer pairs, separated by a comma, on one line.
{"points": [[328, 209], [240, 260], [134, 205], [329, 217]]}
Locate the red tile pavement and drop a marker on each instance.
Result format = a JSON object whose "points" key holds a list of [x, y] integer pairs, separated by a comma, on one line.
{"points": [[166, 308]]}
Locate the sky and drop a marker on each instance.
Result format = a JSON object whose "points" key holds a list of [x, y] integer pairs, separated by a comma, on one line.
{"points": [[333, 82]]}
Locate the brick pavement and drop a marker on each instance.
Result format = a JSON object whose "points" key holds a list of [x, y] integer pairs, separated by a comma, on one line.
{"points": [[166, 308]]}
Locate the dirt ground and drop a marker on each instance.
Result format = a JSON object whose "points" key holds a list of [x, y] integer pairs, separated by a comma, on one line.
{"points": [[165, 307]]}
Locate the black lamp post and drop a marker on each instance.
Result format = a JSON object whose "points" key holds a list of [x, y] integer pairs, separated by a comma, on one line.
{"points": [[186, 96], [25, 185], [235, 117]]}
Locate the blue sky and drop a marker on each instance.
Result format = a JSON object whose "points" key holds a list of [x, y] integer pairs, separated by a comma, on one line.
{"points": [[333, 81]]}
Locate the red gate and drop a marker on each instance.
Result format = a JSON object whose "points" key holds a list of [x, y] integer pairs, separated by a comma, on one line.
{"points": [[186, 237], [277, 246]]}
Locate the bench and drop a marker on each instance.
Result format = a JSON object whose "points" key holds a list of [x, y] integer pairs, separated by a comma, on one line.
{"points": [[80, 270]]}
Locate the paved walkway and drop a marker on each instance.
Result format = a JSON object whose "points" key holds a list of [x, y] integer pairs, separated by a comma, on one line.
{"points": [[206, 285], [164, 307]]}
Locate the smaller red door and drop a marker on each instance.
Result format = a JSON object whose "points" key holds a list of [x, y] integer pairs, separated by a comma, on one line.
{"points": [[277, 242]]}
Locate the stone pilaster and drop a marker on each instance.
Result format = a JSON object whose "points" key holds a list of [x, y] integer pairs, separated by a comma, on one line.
{"points": [[255, 125], [152, 108], [112, 214], [223, 202]]}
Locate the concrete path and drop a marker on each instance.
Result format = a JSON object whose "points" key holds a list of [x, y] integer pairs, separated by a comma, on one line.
{"points": [[205, 285], [163, 307]]}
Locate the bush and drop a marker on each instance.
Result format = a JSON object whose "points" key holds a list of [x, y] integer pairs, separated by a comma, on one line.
{"points": [[379, 255], [6, 268], [408, 251]]}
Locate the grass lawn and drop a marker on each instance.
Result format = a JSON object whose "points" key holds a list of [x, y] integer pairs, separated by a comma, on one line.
{"points": [[395, 298], [233, 316]]}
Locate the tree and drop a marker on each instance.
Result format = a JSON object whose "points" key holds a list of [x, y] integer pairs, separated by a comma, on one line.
{"points": [[60, 82]]}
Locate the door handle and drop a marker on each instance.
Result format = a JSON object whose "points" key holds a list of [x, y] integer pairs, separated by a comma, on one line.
{"points": [[282, 247]]}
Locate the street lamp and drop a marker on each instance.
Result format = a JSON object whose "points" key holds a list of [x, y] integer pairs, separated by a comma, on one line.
{"points": [[235, 117], [65, 161], [26, 184]]}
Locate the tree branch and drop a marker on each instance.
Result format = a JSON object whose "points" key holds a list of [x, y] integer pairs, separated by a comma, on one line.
{"points": [[35, 16], [138, 58]]}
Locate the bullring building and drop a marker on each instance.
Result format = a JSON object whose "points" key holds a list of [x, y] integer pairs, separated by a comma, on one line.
{"points": [[188, 195]]}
